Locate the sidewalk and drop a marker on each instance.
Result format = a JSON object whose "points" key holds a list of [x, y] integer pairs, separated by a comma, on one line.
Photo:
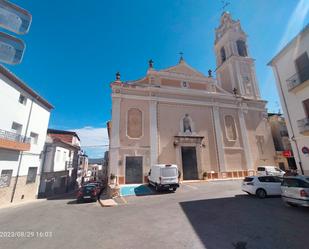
{"points": [[55, 197]]}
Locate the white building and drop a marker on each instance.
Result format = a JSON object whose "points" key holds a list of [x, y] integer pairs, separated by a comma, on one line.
{"points": [[24, 117], [59, 167], [291, 70]]}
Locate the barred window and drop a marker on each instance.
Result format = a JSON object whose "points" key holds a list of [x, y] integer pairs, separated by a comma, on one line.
{"points": [[5, 178], [32, 171]]}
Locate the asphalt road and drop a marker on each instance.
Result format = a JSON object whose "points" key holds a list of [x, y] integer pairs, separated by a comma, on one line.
{"points": [[213, 215]]}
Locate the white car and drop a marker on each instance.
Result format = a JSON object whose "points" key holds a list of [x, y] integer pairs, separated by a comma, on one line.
{"points": [[262, 186], [295, 190], [164, 176], [270, 171]]}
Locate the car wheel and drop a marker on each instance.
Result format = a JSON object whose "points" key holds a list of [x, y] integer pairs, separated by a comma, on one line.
{"points": [[157, 188], [174, 189], [261, 193]]}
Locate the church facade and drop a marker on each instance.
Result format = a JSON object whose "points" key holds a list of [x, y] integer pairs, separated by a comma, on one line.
{"points": [[211, 128]]}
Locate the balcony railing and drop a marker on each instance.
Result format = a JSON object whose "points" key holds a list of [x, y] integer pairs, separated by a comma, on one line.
{"points": [[303, 126], [11, 136], [298, 78]]}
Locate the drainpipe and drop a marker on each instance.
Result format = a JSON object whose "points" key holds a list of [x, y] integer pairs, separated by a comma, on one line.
{"points": [[289, 118], [21, 154]]}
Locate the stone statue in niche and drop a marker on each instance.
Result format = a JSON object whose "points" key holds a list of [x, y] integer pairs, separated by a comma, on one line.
{"points": [[187, 124]]}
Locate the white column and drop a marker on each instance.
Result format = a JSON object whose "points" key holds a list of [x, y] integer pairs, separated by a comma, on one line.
{"points": [[115, 141], [245, 140], [240, 79], [254, 83], [153, 132], [219, 140]]}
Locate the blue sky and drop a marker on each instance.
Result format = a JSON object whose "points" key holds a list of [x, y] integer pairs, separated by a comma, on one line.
{"points": [[75, 47]]}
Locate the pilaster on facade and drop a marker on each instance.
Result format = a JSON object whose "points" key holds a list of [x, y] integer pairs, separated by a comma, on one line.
{"points": [[153, 132], [245, 139], [219, 138], [115, 141]]}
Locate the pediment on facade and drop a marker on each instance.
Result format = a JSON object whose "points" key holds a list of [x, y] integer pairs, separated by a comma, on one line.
{"points": [[184, 69]]}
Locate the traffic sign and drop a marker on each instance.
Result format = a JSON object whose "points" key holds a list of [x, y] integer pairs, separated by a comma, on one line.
{"points": [[287, 153], [11, 49], [14, 18], [305, 150]]}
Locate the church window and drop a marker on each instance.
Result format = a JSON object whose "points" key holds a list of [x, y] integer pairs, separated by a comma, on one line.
{"points": [[223, 55], [185, 84], [241, 48], [230, 128], [134, 123]]}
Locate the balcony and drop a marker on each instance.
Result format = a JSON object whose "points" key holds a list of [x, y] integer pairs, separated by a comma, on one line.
{"points": [[299, 80], [13, 141], [303, 126]]}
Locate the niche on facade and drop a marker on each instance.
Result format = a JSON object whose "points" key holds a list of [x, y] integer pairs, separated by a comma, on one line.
{"points": [[230, 128], [186, 126], [134, 123]]}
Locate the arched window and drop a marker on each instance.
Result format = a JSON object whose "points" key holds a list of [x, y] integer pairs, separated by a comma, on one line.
{"points": [[241, 48], [230, 128], [223, 55], [134, 123]]}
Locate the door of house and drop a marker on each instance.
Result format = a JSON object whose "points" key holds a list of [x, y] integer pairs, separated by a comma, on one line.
{"points": [[189, 163], [134, 169]]}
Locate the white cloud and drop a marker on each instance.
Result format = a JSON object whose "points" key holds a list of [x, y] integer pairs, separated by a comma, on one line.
{"points": [[296, 23], [93, 140]]}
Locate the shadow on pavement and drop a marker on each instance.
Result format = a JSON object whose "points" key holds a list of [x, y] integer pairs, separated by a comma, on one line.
{"points": [[245, 222]]}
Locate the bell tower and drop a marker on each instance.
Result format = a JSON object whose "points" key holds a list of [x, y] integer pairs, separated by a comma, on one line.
{"points": [[235, 68]]}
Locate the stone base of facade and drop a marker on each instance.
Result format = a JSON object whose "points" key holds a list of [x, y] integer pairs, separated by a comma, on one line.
{"points": [[239, 174], [229, 174], [24, 192], [113, 191]]}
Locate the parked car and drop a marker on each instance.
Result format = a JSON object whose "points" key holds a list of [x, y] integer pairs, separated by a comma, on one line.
{"points": [[164, 176], [98, 185], [295, 190], [87, 193], [270, 171], [262, 186]]}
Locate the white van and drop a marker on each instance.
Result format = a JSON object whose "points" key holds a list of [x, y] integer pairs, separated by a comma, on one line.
{"points": [[269, 171], [164, 176]]}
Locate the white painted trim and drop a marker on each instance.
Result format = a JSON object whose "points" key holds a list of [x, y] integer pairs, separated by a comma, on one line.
{"points": [[219, 139], [135, 138], [237, 136], [153, 132], [245, 139], [189, 102]]}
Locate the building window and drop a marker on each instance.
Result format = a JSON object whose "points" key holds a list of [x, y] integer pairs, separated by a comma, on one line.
{"points": [[230, 128], [64, 156], [16, 128], [241, 48], [58, 152], [223, 55], [184, 84], [134, 123], [32, 171], [22, 99], [302, 67], [306, 107], [34, 138], [5, 178]]}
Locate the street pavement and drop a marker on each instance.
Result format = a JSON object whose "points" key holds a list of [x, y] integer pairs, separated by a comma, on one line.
{"points": [[213, 215]]}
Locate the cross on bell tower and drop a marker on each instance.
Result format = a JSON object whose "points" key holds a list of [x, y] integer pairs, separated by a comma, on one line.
{"points": [[181, 59]]}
